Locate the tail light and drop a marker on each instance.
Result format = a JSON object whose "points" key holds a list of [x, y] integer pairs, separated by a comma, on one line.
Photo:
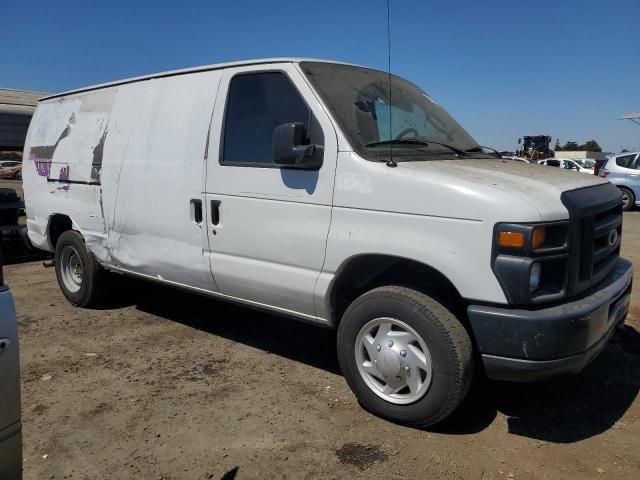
{"points": [[603, 174]]}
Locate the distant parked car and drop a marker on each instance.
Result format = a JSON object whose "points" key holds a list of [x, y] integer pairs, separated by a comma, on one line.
{"points": [[9, 163], [11, 170], [623, 171], [587, 163], [566, 164], [10, 418]]}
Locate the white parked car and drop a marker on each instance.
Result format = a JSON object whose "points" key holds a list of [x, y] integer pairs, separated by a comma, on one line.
{"points": [[283, 184], [587, 165], [576, 165]]}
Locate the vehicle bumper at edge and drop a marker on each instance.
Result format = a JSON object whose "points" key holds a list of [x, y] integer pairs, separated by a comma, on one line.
{"points": [[11, 452], [529, 345]]}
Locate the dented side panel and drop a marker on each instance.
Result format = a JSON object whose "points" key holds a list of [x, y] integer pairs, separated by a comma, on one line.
{"points": [[152, 167], [124, 164], [59, 175]]}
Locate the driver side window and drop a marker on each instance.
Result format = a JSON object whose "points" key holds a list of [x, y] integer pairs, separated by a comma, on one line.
{"points": [[256, 104]]}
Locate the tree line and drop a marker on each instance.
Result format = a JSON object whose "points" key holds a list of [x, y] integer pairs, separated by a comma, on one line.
{"points": [[590, 146]]}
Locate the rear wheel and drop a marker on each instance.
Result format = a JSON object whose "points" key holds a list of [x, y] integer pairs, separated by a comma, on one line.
{"points": [[628, 199], [80, 277], [405, 356]]}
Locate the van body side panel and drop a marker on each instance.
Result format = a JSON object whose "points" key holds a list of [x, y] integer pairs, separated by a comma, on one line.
{"points": [[63, 164], [269, 244], [154, 173]]}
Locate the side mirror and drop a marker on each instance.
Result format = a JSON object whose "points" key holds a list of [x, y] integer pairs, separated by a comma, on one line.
{"points": [[292, 150]]}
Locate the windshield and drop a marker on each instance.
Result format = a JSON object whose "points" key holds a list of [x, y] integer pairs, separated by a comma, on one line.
{"points": [[371, 118]]}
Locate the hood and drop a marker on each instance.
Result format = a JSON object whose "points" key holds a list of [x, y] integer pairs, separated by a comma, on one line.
{"points": [[538, 185]]}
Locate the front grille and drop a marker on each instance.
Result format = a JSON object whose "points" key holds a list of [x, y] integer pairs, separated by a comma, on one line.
{"points": [[600, 246], [595, 234]]}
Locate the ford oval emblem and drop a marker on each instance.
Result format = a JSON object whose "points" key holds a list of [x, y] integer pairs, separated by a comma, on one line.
{"points": [[613, 237]]}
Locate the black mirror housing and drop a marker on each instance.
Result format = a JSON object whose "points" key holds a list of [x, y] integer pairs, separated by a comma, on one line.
{"points": [[292, 150]]}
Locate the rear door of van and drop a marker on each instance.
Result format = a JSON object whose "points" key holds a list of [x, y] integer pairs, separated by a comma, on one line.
{"points": [[267, 225]]}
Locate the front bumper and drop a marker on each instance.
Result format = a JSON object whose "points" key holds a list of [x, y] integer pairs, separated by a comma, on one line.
{"points": [[529, 345]]}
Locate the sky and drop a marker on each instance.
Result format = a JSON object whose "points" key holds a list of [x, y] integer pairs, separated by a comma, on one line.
{"points": [[502, 68]]}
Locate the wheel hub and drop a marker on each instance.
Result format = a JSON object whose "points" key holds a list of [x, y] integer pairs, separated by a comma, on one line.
{"points": [[71, 269], [393, 360], [388, 362]]}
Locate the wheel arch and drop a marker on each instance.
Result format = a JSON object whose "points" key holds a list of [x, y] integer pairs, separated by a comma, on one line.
{"points": [[58, 224], [629, 189], [365, 272]]}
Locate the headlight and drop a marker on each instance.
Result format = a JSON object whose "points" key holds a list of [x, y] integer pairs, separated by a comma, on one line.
{"points": [[531, 261], [534, 277]]}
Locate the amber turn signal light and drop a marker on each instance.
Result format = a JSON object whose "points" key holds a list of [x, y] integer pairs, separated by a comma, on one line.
{"points": [[511, 239], [538, 237]]}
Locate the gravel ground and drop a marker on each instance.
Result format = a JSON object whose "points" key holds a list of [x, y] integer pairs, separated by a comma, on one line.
{"points": [[169, 385]]}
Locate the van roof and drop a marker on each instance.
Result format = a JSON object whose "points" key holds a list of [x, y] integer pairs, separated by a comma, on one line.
{"points": [[202, 68]]}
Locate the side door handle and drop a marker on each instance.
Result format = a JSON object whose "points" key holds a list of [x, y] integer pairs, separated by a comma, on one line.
{"points": [[195, 210], [215, 212]]}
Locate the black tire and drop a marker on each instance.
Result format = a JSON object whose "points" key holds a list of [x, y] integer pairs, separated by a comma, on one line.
{"points": [[630, 201], [447, 340], [94, 286]]}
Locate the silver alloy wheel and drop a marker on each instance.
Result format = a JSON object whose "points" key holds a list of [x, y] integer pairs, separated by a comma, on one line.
{"points": [[626, 199], [393, 360], [71, 269]]}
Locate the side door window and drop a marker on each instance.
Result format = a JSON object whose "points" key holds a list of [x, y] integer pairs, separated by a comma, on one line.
{"points": [[256, 104]]}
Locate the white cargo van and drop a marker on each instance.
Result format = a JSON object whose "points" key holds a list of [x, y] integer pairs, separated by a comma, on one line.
{"points": [[333, 194]]}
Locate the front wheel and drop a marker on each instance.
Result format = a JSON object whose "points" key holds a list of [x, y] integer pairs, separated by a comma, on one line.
{"points": [[81, 278], [405, 356], [628, 199]]}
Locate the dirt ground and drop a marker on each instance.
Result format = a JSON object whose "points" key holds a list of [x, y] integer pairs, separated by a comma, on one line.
{"points": [[169, 385]]}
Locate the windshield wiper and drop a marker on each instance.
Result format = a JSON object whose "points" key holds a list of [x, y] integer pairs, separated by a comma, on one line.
{"points": [[479, 149], [415, 141]]}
